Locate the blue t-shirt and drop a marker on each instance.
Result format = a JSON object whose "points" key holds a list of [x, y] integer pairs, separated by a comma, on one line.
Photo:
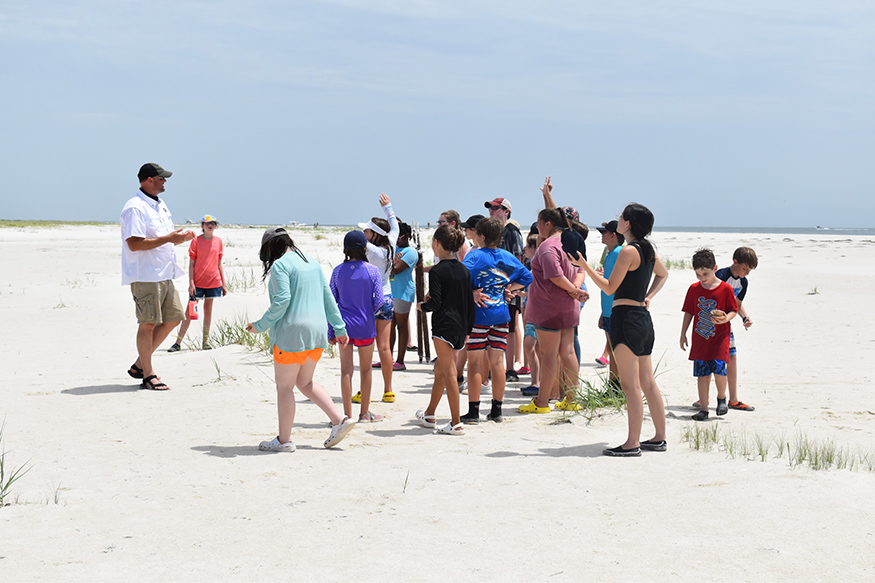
{"points": [[403, 286], [608, 300], [491, 271]]}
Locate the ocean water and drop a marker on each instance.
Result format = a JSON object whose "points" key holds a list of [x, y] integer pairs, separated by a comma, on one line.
{"points": [[836, 231]]}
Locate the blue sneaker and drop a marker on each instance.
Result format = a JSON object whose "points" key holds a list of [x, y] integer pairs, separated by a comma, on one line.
{"points": [[531, 391]]}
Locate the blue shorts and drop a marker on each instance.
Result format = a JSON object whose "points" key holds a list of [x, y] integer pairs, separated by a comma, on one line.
{"points": [[207, 292], [606, 324], [530, 331], [387, 310], [705, 368], [732, 350]]}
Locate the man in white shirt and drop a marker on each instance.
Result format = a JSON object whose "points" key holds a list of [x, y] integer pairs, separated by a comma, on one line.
{"points": [[149, 267]]}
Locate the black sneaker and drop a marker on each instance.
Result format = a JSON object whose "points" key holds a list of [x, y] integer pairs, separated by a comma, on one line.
{"points": [[175, 348], [511, 376], [653, 445], [722, 408], [701, 416], [470, 419], [620, 452]]}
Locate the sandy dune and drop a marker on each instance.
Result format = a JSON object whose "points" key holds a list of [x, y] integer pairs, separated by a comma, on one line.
{"points": [[127, 484]]}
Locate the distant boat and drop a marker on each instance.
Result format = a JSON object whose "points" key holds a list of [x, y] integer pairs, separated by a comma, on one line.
{"points": [[297, 224]]}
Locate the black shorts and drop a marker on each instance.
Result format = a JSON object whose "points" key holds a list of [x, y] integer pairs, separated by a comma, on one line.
{"points": [[632, 326], [457, 342]]}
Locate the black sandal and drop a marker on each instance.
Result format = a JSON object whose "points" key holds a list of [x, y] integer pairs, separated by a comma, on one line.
{"points": [[135, 371], [152, 383]]}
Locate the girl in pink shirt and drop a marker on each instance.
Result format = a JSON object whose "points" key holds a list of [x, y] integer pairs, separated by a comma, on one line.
{"points": [[206, 278]]}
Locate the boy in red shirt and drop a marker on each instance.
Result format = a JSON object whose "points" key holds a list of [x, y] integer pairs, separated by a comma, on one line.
{"points": [[206, 278], [712, 304]]}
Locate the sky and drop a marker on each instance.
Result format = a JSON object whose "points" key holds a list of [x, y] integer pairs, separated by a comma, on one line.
{"points": [[711, 113]]}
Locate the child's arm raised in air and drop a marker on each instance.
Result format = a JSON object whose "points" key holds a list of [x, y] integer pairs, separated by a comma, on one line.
{"points": [[394, 230]]}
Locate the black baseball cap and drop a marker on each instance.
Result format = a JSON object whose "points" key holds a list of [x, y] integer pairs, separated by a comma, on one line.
{"points": [[151, 169], [609, 227], [472, 221]]}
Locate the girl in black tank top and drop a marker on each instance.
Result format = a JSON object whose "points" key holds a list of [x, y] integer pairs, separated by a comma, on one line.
{"points": [[631, 327], [634, 285]]}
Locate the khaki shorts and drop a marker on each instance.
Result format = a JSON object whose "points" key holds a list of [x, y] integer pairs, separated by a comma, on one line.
{"points": [[157, 302]]}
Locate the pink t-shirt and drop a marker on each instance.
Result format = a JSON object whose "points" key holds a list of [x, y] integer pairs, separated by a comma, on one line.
{"points": [[550, 306], [206, 254]]}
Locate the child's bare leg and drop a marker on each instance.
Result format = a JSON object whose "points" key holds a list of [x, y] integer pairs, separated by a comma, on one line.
{"points": [[315, 392], [732, 378], [496, 357], [703, 384], [208, 317], [628, 366], [445, 378], [366, 355], [183, 328], [476, 365], [403, 335], [461, 360], [606, 353], [346, 370], [653, 396], [548, 343], [286, 376], [569, 365], [531, 346], [385, 353], [720, 381]]}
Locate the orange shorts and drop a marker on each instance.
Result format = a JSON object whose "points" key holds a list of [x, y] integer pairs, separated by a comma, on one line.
{"points": [[281, 357]]}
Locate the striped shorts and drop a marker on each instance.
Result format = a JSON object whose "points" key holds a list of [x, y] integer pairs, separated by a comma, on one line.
{"points": [[494, 337]]}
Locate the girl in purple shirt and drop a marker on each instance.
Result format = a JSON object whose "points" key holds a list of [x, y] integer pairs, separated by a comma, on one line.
{"points": [[358, 289]]}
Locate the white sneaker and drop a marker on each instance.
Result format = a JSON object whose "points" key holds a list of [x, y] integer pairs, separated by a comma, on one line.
{"points": [[275, 445], [463, 387], [339, 431], [485, 389]]}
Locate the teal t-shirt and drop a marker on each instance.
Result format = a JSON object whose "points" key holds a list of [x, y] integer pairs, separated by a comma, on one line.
{"points": [[301, 305], [403, 285]]}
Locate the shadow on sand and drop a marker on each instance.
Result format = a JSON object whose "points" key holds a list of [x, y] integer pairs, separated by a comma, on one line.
{"points": [[103, 389]]}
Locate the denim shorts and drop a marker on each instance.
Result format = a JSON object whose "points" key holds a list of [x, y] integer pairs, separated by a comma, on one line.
{"points": [[207, 292]]}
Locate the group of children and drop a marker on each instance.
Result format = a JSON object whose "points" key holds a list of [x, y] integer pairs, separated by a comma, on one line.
{"points": [[469, 301]]}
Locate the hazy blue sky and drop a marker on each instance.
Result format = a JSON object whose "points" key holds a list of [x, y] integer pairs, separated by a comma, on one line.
{"points": [[739, 113]]}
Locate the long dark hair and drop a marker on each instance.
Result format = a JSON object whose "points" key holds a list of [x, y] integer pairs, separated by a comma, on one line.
{"points": [[273, 249], [383, 241], [641, 224]]}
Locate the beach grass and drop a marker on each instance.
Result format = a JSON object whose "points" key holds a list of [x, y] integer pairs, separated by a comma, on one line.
{"points": [[801, 451], [18, 224], [9, 475]]}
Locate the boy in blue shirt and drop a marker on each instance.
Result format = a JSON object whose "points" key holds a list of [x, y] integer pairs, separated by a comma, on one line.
{"points": [[493, 271]]}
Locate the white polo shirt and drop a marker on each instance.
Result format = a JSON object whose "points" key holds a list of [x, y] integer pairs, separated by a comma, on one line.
{"points": [[146, 218]]}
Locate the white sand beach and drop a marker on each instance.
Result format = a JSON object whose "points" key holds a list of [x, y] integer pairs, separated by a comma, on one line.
{"points": [[133, 485]]}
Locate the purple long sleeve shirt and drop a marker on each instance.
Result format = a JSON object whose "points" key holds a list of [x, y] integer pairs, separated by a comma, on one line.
{"points": [[358, 289]]}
